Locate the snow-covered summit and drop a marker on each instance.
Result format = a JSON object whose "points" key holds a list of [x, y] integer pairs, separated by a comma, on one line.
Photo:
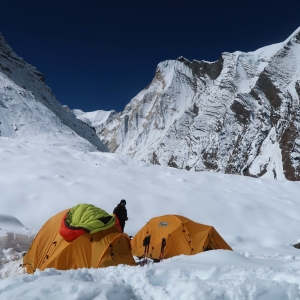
{"points": [[97, 119], [237, 115], [30, 112]]}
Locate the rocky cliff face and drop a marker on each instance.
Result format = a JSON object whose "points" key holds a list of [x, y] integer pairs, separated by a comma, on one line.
{"points": [[30, 112], [238, 115]]}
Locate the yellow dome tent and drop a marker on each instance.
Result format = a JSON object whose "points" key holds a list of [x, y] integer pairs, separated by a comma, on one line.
{"points": [[49, 249], [171, 235]]}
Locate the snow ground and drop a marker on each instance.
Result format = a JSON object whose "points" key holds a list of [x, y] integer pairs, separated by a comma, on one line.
{"points": [[259, 219]]}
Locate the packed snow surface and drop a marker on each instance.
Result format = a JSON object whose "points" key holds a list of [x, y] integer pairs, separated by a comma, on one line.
{"points": [[258, 218]]}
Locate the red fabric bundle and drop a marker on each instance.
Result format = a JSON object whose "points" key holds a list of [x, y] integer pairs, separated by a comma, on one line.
{"points": [[67, 233], [118, 222]]}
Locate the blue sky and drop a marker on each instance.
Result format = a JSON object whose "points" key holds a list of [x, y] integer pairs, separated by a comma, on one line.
{"points": [[100, 54]]}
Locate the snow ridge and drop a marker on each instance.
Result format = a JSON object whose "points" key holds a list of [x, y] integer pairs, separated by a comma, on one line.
{"points": [[30, 112]]}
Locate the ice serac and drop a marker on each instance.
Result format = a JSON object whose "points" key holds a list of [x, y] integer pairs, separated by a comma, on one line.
{"points": [[238, 115], [30, 112]]}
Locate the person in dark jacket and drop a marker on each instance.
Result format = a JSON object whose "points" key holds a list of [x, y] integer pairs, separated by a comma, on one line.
{"points": [[121, 212]]}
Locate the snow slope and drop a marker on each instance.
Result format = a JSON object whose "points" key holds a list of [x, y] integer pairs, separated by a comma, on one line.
{"points": [[259, 218], [30, 112]]}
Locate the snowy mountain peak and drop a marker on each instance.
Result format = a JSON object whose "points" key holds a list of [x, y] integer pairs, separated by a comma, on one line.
{"points": [[96, 119], [237, 115], [30, 112], [295, 36]]}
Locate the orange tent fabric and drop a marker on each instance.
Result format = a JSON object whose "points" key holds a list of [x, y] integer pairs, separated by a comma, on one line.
{"points": [[172, 235], [101, 249]]}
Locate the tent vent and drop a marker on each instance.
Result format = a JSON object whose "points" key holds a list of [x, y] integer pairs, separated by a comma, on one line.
{"points": [[163, 224]]}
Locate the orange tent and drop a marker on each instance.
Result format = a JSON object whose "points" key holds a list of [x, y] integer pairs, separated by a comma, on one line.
{"points": [[101, 249], [171, 235]]}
